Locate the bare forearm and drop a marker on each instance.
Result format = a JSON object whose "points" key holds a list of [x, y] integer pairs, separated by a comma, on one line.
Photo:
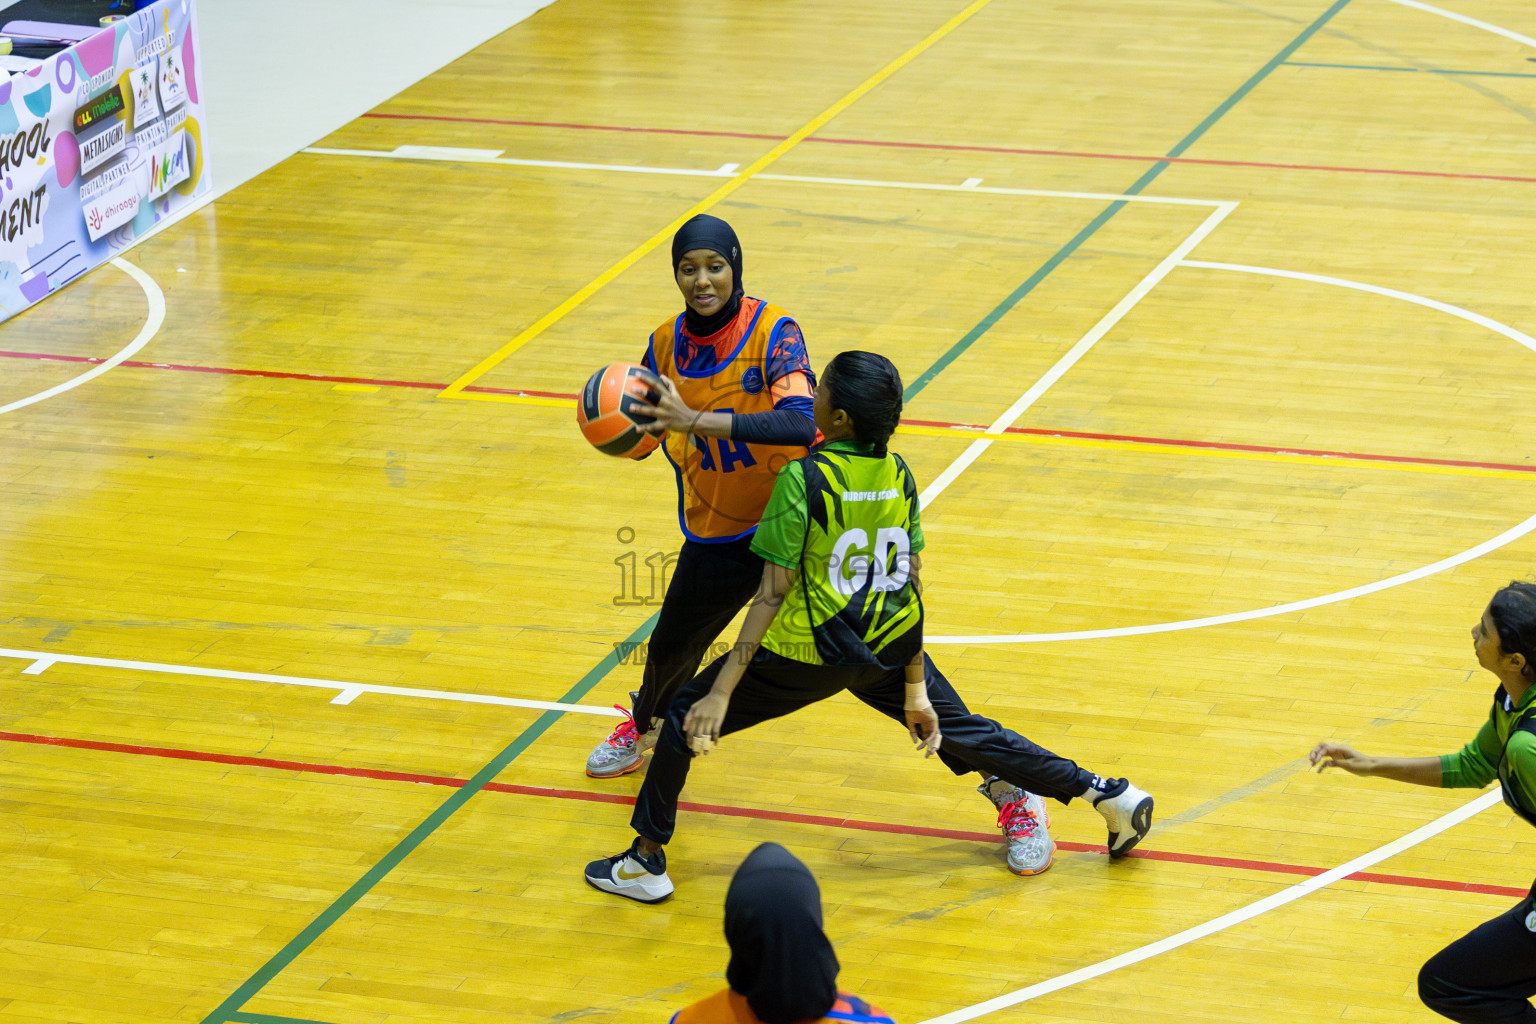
{"points": [[1421, 771], [759, 616], [711, 424], [765, 607]]}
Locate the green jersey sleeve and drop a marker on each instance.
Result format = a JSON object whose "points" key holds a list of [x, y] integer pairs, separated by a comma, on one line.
{"points": [[909, 491], [780, 538], [1476, 764], [1521, 752]]}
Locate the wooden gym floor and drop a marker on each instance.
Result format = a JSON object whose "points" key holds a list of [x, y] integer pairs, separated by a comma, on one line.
{"points": [[1241, 291]]}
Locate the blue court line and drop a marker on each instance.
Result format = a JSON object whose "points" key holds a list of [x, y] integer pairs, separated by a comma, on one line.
{"points": [[1014, 297], [1388, 67], [229, 1009]]}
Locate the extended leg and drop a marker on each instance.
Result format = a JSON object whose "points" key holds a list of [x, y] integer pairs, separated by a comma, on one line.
{"points": [[1487, 976]]}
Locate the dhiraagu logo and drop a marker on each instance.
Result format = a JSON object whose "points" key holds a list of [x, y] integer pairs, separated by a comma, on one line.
{"points": [[856, 563]]}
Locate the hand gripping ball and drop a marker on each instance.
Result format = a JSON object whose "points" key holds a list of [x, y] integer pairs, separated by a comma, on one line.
{"points": [[605, 410]]}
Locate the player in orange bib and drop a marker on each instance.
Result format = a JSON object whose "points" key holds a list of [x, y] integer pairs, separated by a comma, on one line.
{"points": [[737, 409], [783, 969]]}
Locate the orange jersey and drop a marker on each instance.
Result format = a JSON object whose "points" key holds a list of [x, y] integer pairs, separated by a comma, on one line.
{"points": [[754, 362], [730, 1008]]}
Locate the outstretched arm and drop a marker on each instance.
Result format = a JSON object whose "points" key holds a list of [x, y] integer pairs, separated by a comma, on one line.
{"points": [[922, 723], [1422, 771], [703, 721]]}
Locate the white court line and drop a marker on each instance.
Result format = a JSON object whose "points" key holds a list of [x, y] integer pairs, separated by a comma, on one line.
{"points": [[1477, 551], [348, 692], [1512, 534], [1485, 26], [151, 326], [1479, 319], [1226, 921], [1076, 352], [481, 156]]}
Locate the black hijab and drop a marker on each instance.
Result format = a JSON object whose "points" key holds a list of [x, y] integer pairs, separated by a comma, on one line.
{"points": [[780, 958], [714, 234]]}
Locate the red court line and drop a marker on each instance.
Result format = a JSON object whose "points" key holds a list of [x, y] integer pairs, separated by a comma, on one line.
{"points": [[737, 812], [277, 374], [1231, 446], [955, 148], [1172, 442]]}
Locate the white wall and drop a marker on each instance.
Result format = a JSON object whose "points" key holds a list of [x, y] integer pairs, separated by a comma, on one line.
{"points": [[281, 74]]}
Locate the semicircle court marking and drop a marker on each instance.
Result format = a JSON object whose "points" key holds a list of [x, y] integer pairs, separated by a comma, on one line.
{"points": [[1218, 924], [156, 299], [1477, 551], [1485, 26]]}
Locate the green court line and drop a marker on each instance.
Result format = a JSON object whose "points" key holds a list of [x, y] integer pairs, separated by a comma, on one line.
{"points": [[264, 1018], [1017, 295], [229, 1009], [1388, 67]]}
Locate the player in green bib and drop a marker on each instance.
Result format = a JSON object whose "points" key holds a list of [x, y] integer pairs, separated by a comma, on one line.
{"points": [[1489, 974], [840, 608]]}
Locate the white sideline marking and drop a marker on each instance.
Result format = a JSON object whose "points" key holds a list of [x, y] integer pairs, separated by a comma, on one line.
{"points": [[457, 156], [727, 170], [1226, 921], [42, 661], [1496, 30], [1101, 197], [156, 299], [447, 153], [1477, 551]]}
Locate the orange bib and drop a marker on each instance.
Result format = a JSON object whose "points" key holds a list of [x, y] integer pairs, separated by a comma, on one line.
{"points": [[723, 485]]}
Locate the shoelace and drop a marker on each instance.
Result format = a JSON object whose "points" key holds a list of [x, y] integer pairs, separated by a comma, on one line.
{"points": [[1016, 820], [625, 735]]}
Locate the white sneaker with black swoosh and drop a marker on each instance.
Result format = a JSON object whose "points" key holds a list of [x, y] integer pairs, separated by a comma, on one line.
{"points": [[629, 874], [1128, 813]]}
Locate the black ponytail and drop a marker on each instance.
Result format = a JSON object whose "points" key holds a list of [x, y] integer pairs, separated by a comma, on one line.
{"points": [[868, 388], [1513, 610]]}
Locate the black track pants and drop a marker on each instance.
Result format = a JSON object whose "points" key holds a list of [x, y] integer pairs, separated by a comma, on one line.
{"points": [[1487, 976], [710, 584], [773, 687]]}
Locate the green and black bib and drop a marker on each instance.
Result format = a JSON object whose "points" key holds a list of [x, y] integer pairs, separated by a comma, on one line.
{"points": [[854, 601]]}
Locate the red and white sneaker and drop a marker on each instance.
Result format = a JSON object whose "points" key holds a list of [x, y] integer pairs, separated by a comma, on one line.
{"points": [[622, 752], [1025, 823]]}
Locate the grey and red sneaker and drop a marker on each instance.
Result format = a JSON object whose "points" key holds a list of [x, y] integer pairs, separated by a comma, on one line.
{"points": [[1026, 825]]}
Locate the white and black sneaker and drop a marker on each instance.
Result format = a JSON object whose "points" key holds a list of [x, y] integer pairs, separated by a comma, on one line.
{"points": [[1128, 812], [629, 874]]}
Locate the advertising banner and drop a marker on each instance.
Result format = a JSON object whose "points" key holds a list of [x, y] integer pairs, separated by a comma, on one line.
{"points": [[98, 144]]}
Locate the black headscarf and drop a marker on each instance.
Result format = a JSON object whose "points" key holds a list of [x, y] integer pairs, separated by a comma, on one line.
{"points": [[780, 958], [714, 234]]}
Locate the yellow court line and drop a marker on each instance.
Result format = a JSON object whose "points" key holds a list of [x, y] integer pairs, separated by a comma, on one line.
{"points": [[1142, 447], [555, 403], [456, 389]]}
